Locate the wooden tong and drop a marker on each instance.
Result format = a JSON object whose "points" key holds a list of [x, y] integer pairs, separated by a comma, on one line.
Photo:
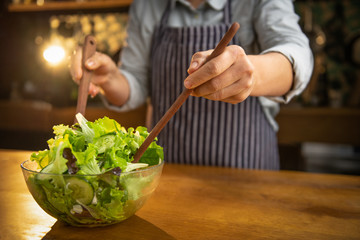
{"points": [[89, 49]]}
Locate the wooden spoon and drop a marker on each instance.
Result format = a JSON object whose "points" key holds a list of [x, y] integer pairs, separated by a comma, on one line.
{"points": [[89, 49], [184, 95]]}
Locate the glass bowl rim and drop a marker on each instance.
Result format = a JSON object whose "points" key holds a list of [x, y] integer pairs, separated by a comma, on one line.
{"points": [[153, 167]]}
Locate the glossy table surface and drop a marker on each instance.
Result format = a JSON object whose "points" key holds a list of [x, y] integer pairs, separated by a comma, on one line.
{"points": [[194, 202]]}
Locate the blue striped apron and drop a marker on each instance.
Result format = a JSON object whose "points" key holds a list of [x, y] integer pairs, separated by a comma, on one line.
{"points": [[205, 132]]}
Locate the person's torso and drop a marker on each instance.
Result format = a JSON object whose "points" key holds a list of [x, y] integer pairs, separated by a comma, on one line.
{"points": [[205, 132]]}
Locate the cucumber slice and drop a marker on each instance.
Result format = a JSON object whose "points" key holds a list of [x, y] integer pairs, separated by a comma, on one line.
{"points": [[81, 190], [42, 177]]}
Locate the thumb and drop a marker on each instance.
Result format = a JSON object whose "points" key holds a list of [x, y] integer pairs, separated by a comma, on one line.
{"points": [[194, 65], [197, 60], [91, 64]]}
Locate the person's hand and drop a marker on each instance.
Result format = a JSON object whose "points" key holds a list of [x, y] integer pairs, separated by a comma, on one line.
{"points": [[103, 67], [228, 77]]}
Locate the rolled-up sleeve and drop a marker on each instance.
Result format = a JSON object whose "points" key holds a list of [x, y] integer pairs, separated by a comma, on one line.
{"points": [[277, 28]]}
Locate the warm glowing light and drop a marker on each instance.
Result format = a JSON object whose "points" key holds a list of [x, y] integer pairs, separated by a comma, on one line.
{"points": [[54, 54]]}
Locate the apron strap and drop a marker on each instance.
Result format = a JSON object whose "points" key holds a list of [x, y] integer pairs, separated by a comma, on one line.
{"points": [[227, 13], [171, 5]]}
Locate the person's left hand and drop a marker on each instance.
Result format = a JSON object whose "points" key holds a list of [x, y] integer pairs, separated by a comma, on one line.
{"points": [[228, 77]]}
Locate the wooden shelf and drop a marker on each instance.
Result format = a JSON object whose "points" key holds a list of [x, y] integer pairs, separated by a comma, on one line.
{"points": [[297, 125], [69, 5], [38, 116]]}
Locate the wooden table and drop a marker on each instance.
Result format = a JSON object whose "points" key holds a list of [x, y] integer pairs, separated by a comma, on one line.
{"points": [[202, 203]]}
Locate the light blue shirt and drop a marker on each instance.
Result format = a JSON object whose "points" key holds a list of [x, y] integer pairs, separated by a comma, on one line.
{"points": [[265, 26]]}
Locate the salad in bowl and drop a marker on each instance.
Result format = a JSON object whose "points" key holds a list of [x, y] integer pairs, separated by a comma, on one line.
{"points": [[86, 176]]}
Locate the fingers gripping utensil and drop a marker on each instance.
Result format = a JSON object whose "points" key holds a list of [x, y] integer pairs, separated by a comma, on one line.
{"points": [[185, 94], [89, 49]]}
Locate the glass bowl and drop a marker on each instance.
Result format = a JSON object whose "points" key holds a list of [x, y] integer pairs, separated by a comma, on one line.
{"points": [[91, 200]]}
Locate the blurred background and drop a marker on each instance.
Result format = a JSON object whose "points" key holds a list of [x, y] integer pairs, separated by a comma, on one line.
{"points": [[319, 130]]}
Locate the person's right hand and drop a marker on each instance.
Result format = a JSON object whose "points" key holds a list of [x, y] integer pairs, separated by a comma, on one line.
{"points": [[103, 67]]}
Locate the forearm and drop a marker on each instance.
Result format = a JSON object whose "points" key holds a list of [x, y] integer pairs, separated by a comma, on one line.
{"points": [[116, 89], [273, 74]]}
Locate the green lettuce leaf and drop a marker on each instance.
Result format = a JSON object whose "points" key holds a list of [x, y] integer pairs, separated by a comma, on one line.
{"points": [[89, 133], [87, 162], [57, 162]]}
